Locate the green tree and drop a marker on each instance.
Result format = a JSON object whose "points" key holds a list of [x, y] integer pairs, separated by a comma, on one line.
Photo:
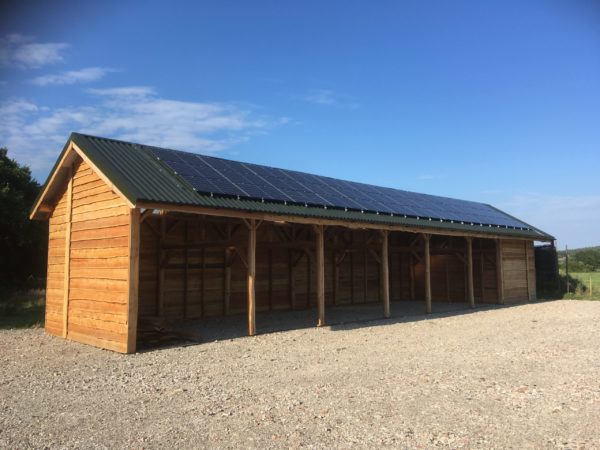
{"points": [[589, 257], [23, 243]]}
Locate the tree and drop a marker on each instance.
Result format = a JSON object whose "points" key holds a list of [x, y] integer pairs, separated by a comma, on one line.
{"points": [[589, 257], [23, 243]]}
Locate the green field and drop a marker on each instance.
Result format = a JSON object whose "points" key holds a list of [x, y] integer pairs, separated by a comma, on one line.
{"points": [[588, 286]]}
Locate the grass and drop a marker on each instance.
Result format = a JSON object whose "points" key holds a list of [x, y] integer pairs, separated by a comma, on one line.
{"points": [[22, 309], [582, 288]]}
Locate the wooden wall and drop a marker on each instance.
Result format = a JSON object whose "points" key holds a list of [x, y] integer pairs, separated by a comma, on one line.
{"points": [[519, 270], [190, 267], [97, 281], [55, 280], [193, 266]]}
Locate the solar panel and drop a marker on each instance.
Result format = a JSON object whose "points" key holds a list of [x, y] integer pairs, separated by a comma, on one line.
{"points": [[219, 176]]}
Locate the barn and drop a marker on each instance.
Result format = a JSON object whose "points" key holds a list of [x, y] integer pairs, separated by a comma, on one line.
{"points": [[140, 233]]}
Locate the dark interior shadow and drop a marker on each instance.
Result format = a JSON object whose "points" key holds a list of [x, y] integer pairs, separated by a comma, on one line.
{"points": [[338, 318]]}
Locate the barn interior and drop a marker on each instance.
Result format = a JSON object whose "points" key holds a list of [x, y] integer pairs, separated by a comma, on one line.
{"points": [[195, 267]]}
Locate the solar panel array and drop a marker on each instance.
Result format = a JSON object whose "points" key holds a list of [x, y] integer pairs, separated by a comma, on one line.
{"points": [[223, 177]]}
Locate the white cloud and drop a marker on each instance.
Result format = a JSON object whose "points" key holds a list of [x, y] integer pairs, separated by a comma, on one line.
{"points": [[128, 91], [327, 97], [572, 219], [86, 75], [22, 51], [321, 97], [35, 134]]}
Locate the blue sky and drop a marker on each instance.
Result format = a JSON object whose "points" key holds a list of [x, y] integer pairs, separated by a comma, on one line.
{"points": [[488, 101]]}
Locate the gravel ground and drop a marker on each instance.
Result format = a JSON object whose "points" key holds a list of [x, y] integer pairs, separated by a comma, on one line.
{"points": [[526, 376]]}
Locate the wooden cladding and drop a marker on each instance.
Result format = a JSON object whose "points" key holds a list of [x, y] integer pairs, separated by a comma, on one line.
{"points": [[518, 269], [91, 224], [108, 265], [199, 267]]}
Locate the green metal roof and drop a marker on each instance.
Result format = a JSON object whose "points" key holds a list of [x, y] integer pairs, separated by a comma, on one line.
{"points": [[142, 177]]}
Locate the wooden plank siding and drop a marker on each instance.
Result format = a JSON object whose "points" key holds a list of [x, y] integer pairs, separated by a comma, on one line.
{"points": [[98, 274], [518, 264], [185, 266], [286, 276], [55, 280]]}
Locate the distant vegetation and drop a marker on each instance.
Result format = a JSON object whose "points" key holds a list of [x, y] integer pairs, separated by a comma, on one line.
{"points": [[584, 273], [585, 259], [23, 243]]}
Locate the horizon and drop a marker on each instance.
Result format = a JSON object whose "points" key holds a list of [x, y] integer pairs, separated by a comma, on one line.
{"points": [[493, 103]]}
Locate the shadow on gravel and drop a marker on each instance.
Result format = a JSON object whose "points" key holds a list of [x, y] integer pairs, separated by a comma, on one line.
{"points": [[338, 318]]}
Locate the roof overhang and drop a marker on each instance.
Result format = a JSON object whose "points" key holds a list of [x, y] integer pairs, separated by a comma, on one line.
{"points": [[247, 209]]}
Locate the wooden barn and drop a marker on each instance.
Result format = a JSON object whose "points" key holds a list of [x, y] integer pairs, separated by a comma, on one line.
{"points": [[143, 233]]}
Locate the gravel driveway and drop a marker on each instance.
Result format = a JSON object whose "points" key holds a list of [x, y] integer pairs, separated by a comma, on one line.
{"points": [[525, 376]]}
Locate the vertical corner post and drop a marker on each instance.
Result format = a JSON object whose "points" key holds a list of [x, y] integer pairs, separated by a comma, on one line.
{"points": [[470, 289], [427, 238], [251, 277], [385, 273], [133, 279], [320, 261]]}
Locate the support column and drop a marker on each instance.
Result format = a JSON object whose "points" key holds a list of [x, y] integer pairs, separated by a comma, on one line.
{"points": [[385, 273], [499, 272], [67, 266], [251, 277], [470, 290], [133, 279], [160, 281], [426, 238], [526, 244], [227, 282], [320, 252]]}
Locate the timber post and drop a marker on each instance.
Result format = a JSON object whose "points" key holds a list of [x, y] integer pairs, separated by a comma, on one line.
{"points": [[133, 279], [227, 282], [67, 266], [251, 277], [426, 238], [320, 253], [527, 278], [385, 273], [470, 289], [499, 272]]}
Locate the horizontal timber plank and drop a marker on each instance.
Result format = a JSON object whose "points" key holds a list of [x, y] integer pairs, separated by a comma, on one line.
{"points": [[100, 233], [97, 305], [82, 172], [105, 204], [101, 243], [105, 297], [53, 329], [92, 191], [96, 199], [92, 253], [109, 274], [81, 316], [90, 185], [99, 328], [118, 262], [94, 283], [96, 341], [85, 179], [107, 222], [100, 213]]}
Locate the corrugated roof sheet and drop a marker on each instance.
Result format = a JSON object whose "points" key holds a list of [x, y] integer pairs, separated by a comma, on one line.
{"points": [[137, 172]]}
